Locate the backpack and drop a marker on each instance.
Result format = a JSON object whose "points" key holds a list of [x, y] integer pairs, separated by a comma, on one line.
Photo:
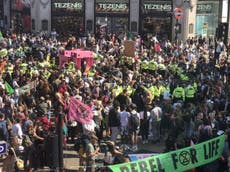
{"points": [[3, 130], [26, 142], [134, 121]]}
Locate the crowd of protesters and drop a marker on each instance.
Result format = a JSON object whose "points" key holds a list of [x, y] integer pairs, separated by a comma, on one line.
{"points": [[176, 92]]}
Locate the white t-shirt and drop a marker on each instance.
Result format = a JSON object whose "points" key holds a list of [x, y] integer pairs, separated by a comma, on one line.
{"points": [[156, 114], [89, 127], [1, 101], [142, 115], [15, 84], [17, 130]]}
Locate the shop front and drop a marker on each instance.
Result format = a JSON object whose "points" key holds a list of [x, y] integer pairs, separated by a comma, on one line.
{"points": [[112, 16], [156, 18], [207, 14], [20, 15], [67, 17], [1, 14]]}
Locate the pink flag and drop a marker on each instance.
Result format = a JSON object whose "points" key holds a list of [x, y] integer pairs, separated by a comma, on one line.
{"points": [[80, 111]]}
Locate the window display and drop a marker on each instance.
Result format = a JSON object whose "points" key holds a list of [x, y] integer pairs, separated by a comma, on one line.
{"points": [[207, 17], [156, 18], [20, 15], [68, 15], [157, 26], [112, 24], [112, 16]]}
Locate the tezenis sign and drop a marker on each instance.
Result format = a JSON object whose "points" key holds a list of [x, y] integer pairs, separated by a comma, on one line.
{"points": [[67, 5], [112, 7]]}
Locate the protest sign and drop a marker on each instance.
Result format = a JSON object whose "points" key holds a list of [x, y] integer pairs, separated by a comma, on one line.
{"points": [[135, 157], [130, 48], [3, 147], [176, 161]]}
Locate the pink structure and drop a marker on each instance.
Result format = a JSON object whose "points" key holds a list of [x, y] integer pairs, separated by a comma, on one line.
{"points": [[76, 56]]}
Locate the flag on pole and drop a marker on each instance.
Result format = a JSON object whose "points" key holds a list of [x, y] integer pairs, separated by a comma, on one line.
{"points": [[79, 111], [8, 88]]}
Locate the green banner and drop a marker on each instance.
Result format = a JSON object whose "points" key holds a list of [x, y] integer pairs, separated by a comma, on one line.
{"points": [[176, 161]]}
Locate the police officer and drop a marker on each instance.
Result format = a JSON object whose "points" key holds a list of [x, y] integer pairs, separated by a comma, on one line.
{"points": [[178, 94], [152, 66], [144, 66], [190, 94]]}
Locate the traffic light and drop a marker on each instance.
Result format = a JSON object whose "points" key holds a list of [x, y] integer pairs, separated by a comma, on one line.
{"points": [[177, 28], [223, 32]]}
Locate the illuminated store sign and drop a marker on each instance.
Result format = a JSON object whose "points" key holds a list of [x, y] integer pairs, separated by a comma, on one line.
{"points": [[112, 6], [157, 6], [103, 7], [75, 5], [204, 8]]}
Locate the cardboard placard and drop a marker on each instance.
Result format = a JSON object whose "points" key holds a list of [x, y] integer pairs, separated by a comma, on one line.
{"points": [[129, 48]]}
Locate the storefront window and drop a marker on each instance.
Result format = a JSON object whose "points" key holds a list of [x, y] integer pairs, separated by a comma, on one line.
{"points": [[156, 18], [67, 16], [20, 15], [207, 17], [112, 24], [157, 26], [45, 25], [112, 16]]}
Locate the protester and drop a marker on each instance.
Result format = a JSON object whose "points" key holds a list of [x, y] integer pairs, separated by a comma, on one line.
{"points": [[186, 87], [91, 153], [134, 125]]}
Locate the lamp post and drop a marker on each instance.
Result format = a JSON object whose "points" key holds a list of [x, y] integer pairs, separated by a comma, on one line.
{"points": [[177, 29], [60, 140]]}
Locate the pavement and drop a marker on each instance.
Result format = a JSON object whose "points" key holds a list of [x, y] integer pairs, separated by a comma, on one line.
{"points": [[72, 161]]}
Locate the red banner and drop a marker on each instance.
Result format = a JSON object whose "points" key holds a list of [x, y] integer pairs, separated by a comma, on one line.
{"points": [[79, 111]]}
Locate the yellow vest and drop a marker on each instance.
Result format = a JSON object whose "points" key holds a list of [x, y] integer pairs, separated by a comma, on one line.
{"points": [[91, 73], [178, 92], [129, 90], [161, 66], [152, 65], [23, 67], [71, 67], [144, 65], [190, 92]]}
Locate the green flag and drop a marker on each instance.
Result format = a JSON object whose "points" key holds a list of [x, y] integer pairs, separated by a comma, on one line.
{"points": [[0, 34], [177, 161], [9, 89]]}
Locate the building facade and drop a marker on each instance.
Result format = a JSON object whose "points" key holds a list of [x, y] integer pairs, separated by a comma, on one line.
{"points": [[144, 17]]}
